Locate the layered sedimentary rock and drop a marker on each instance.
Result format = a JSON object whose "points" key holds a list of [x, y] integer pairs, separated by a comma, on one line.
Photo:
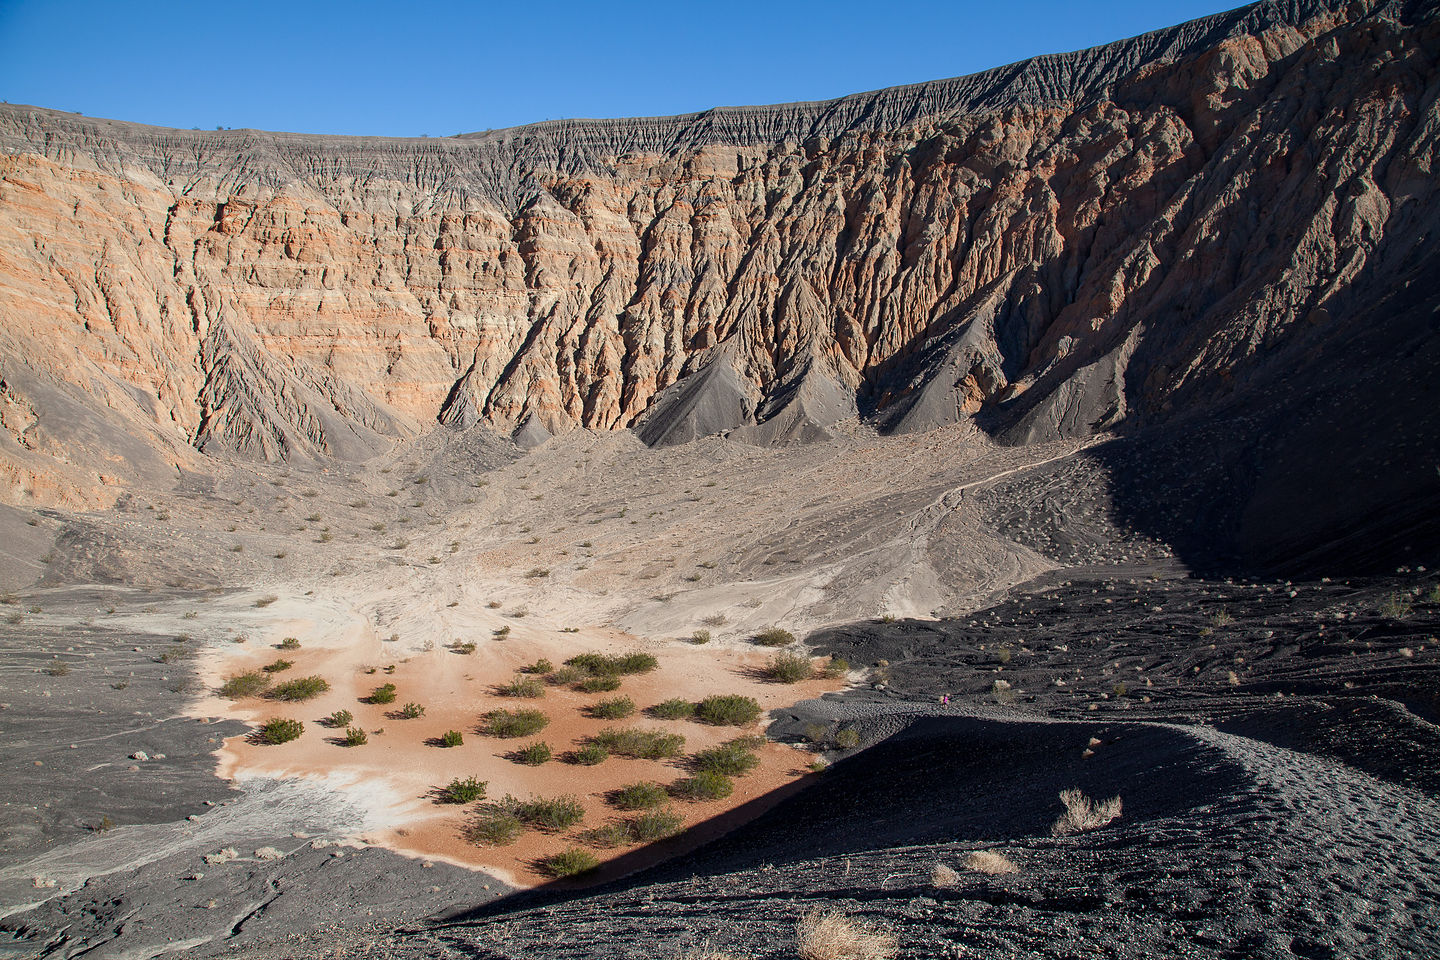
{"points": [[1077, 243]]}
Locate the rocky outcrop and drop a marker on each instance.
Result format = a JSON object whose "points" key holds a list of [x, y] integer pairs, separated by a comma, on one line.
{"points": [[1076, 243]]}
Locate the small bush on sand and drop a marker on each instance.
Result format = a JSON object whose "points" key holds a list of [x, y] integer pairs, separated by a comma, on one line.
{"points": [[278, 666], [382, 694], [637, 796], [564, 676], [411, 711], [1082, 813], [672, 709], [728, 710], [513, 723], [773, 637], [705, 785], [733, 759], [589, 755], [463, 791], [600, 663], [289, 643], [827, 934], [789, 668], [533, 754], [550, 814], [279, 730], [530, 688], [495, 824], [355, 737], [539, 666], [835, 668], [611, 835], [655, 825], [569, 863], [599, 683], [452, 738], [700, 636], [640, 744], [299, 689], [244, 685], [340, 718], [988, 861], [616, 708]]}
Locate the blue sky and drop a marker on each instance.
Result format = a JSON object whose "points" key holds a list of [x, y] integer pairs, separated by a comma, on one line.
{"points": [[439, 68]]}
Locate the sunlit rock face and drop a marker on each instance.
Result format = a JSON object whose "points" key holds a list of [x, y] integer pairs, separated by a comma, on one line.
{"points": [[1077, 243]]}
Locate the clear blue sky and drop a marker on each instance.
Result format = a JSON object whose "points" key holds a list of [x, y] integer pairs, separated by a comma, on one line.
{"points": [[440, 68]]}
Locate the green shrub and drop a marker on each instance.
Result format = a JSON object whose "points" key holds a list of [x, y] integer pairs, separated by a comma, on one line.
{"points": [[299, 689], [836, 668], [289, 643], [529, 688], [774, 637], [728, 710], [501, 633], [534, 754], [786, 667], [495, 824], [564, 676], [733, 759], [705, 785], [244, 685], [599, 683], [411, 711], [612, 834], [382, 694], [847, 738], [279, 730], [463, 791], [600, 663], [616, 708], [637, 796], [539, 666], [549, 814], [355, 737], [340, 718], [655, 825], [451, 738], [277, 666], [640, 744], [513, 723], [569, 863], [589, 754], [466, 647], [673, 709], [700, 636]]}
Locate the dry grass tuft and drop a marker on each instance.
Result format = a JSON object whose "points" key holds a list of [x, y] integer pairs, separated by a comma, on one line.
{"points": [[943, 877], [988, 861], [707, 952], [1082, 813], [830, 935]]}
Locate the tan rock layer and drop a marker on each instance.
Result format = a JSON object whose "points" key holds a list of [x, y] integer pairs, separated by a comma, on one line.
{"points": [[1060, 246]]}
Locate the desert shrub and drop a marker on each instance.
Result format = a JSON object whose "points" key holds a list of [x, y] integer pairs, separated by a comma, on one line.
{"points": [[550, 814], [773, 637], [501, 633], [640, 744], [1396, 606], [266, 600], [599, 683], [452, 738], [465, 647], [564, 676], [411, 711], [836, 668], [513, 723], [700, 636], [277, 666], [655, 825], [1082, 813], [589, 754], [612, 834], [673, 709], [354, 737], [827, 934], [569, 863], [244, 685], [299, 689], [463, 791], [847, 738], [340, 718], [495, 824], [529, 688], [600, 663], [988, 861], [616, 708], [289, 643], [637, 796], [733, 759], [539, 666], [943, 877], [382, 694], [789, 667], [705, 785], [728, 710], [534, 573], [279, 730], [533, 754]]}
